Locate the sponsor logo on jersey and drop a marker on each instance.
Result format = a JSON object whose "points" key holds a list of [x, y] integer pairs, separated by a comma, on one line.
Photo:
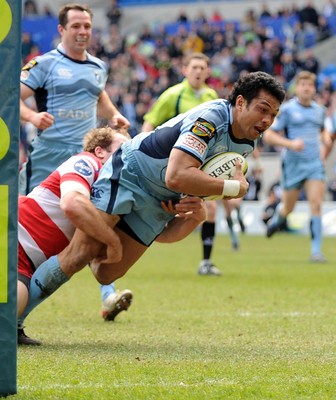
{"points": [[203, 128], [29, 65], [97, 193], [98, 77], [73, 114], [194, 144], [220, 149], [83, 168], [65, 73], [24, 75]]}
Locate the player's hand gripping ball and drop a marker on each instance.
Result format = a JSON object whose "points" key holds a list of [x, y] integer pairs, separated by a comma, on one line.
{"points": [[223, 166]]}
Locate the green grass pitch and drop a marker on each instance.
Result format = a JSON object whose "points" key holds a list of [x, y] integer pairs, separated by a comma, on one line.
{"points": [[266, 329]]}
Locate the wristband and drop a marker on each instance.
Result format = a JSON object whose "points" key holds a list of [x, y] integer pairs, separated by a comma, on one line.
{"points": [[230, 188]]}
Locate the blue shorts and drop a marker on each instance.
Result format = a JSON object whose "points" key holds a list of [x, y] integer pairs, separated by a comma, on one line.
{"points": [[121, 189], [296, 172], [45, 156]]}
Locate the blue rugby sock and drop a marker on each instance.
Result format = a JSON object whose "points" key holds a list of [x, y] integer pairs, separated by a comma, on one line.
{"points": [[45, 281], [316, 234], [277, 218], [106, 290], [233, 233]]}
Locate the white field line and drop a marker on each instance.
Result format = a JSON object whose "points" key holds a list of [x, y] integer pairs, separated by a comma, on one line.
{"points": [[88, 385], [292, 314]]}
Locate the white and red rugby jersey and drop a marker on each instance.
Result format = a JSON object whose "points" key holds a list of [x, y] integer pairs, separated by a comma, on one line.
{"points": [[44, 230]]}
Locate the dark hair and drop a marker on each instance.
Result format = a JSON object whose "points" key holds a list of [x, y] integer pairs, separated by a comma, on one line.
{"points": [[250, 85], [63, 12]]}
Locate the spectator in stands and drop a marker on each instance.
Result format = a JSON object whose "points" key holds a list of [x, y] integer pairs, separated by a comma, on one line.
{"points": [[323, 29], [308, 14], [34, 52], [310, 62], [174, 46], [239, 63], [265, 11], [217, 44], [201, 18], [329, 8], [112, 42], [193, 44], [216, 16], [182, 17], [249, 20], [27, 44], [230, 35], [298, 37], [30, 9], [289, 67], [47, 11], [114, 13], [206, 33]]}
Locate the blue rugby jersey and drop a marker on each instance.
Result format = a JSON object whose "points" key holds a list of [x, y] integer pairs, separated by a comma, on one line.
{"points": [[301, 122], [69, 90], [201, 132]]}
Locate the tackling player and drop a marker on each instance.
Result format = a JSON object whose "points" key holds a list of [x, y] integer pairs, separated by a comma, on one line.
{"points": [[49, 215]]}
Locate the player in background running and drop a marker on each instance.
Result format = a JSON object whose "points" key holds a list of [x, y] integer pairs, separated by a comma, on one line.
{"points": [[301, 120]]}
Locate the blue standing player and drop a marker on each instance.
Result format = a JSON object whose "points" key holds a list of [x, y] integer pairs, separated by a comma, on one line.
{"points": [[301, 119], [68, 85], [161, 166]]}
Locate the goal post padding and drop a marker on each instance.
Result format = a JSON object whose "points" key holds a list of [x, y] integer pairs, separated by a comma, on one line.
{"points": [[10, 61]]}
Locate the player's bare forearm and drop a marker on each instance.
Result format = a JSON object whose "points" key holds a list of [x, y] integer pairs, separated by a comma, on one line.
{"points": [[275, 139], [106, 110], [184, 176], [84, 216]]}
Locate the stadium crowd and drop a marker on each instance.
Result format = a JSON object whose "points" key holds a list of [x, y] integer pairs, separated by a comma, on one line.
{"points": [[144, 65]]}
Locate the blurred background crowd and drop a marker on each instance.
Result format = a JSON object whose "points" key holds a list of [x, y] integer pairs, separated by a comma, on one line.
{"points": [[145, 63]]}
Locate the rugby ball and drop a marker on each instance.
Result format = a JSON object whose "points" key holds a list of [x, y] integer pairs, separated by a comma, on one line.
{"points": [[223, 166]]}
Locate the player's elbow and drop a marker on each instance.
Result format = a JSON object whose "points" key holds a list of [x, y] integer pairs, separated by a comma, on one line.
{"points": [[174, 183], [71, 207]]}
